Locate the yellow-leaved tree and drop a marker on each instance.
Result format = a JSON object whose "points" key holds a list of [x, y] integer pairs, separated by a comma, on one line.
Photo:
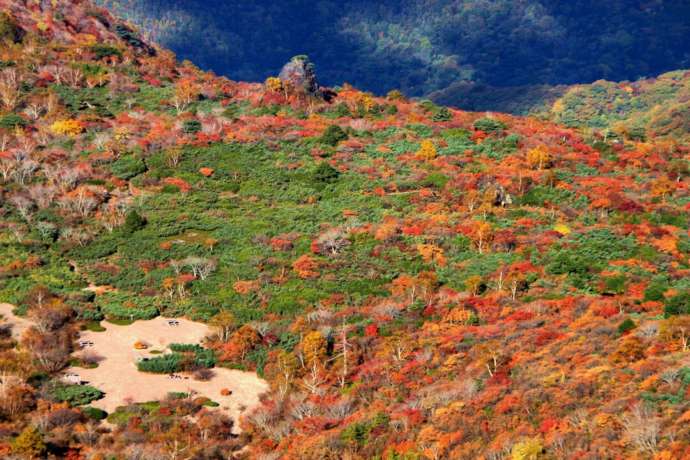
{"points": [[314, 348], [529, 449], [274, 84], [538, 157], [70, 128], [427, 151]]}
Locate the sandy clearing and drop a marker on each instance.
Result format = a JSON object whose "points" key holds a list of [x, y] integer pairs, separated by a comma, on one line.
{"points": [[99, 290], [19, 324], [118, 377]]}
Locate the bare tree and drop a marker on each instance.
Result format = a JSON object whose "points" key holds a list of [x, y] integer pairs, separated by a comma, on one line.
{"points": [[81, 202], [26, 145], [5, 141], [23, 205], [200, 267], [101, 139], [50, 350], [43, 195], [301, 407], [314, 380], [7, 168], [75, 235], [641, 428], [25, 170], [343, 347], [9, 85], [114, 214], [173, 156], [67, 178], [88, 434], [13, 393], [34, 110], [74, 77], [332, 241]]}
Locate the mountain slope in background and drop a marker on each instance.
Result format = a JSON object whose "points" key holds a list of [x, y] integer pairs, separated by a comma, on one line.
{"points": [[414, 282], [423, 46], [653, 107], [645, 108]]}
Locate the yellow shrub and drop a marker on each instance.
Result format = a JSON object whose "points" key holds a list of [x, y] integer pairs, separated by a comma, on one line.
{"points": [[427, 151], [366, 101], [529, 449], [274, 84], [67, 127], [538, 157], [562, 229]]}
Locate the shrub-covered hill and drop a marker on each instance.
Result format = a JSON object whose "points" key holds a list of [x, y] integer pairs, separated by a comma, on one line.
{"points": [[422, 46], [653, 107], [413, 281], [645, 108]]}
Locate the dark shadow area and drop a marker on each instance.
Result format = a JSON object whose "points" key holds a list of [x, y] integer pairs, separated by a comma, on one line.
{"points": [[425, 47]]}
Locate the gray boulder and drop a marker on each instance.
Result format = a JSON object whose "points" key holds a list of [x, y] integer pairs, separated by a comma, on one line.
{"points": [[300, 74]]}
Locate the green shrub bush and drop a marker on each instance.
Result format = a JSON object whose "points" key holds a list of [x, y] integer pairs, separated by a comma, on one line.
{"points": [[656, 288], [626, 326], [442, 114], [191, 126], [324, 174], [11, 121], [118, 305], [489, 125], [183, 357], [102, 51], [165, 364], [333, 135], [128, 166], [679, 304], [94, 413], [613, 285], [133, 222], [75, 395]]}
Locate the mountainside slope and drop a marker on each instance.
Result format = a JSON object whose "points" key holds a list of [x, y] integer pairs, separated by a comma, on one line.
{"points": [[413, 281], [652, 107]]}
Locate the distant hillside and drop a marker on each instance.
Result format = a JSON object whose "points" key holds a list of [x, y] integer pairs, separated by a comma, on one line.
{"points": [[644, 108], [652, 107], [423, 46]]}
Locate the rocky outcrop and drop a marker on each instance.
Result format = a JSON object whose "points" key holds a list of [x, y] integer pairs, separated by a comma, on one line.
{"points": [[299, 74]]}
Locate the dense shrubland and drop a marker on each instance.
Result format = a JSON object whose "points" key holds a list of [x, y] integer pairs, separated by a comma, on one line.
{"points": [[413, 281]]}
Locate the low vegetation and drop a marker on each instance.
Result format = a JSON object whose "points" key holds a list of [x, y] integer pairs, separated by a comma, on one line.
{"points": [[412, 281]]}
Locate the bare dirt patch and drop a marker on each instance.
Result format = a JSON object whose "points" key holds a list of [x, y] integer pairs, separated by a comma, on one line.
{"points": [[99, 290], [118, 377], [19, 324]]}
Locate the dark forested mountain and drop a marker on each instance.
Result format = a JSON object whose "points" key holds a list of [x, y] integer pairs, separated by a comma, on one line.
{"points": [[421, 46]]}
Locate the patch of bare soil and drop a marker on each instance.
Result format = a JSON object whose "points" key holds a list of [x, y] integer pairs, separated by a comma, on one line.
{"points": [[118, 377], [19, 324]]}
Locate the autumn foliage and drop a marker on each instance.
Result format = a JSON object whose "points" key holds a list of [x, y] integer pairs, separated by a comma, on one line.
{"points": [[413, 281]]}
